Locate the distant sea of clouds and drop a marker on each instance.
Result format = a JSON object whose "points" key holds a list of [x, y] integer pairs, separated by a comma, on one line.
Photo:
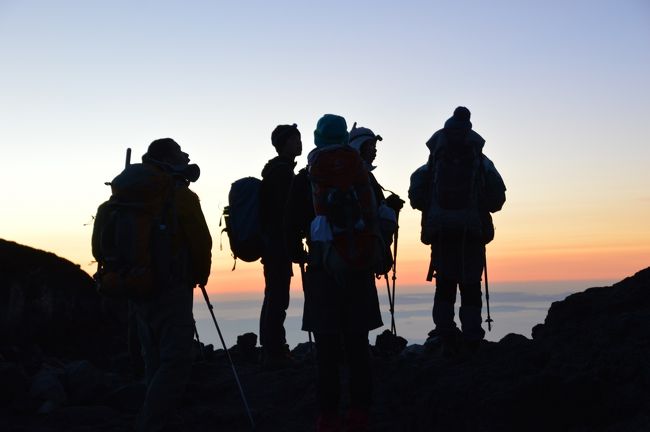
{"points": [[514, 307]]}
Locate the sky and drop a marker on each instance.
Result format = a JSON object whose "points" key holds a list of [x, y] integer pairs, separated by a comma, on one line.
{"points": [[559, 90]]}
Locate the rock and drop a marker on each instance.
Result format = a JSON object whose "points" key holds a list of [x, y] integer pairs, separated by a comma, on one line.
{"points": [[47, 388], [245, 349], [15, 383], [304, 352], [387, 344], [85, 383], [586, 368], [127, 398], [50, 302]]}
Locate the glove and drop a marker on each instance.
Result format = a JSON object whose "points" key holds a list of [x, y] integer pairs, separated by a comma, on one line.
{"points": [[395, 202]]}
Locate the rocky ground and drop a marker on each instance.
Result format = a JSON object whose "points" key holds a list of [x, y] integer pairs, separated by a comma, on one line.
{"points": [[63, 367]]}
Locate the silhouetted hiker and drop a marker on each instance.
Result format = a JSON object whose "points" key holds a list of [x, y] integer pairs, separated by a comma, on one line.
{"points": [[166, 323], [333, 206], [365, 141], [456, 191], [153, 246], [276, 181]]}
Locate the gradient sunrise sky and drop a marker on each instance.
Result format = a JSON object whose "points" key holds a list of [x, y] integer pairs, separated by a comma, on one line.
{"points": [[559, 89]]}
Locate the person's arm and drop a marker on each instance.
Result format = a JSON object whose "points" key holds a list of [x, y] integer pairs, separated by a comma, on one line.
{"points": [[195, 232]]}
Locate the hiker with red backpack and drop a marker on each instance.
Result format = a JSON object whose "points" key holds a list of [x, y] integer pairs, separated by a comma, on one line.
{"points": [[456, 191], [153, 246], [277, 176], [333, 206]]}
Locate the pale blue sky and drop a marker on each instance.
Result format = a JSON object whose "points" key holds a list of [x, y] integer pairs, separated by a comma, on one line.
{"points": [[559, 89]]}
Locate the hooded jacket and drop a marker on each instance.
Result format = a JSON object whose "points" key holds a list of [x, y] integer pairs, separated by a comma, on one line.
{"points": [[277, 176]]}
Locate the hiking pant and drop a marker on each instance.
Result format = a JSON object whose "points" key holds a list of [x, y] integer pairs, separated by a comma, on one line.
{"points": [[277, 277], [329, 349], [166, 330], [470, 308]]}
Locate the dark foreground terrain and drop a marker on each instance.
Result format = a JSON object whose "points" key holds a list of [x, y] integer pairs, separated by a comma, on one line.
{"points": [[64, 367]]}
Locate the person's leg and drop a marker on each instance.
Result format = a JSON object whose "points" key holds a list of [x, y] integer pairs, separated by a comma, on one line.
{"points": [[328, 352], [470, 311], [358, 356], [149, 346], [134, 344], [277, 276], [443, 314], [174, 337], [443, 306]]}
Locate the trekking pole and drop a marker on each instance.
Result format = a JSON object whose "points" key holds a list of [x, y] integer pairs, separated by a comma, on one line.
{"points": [[128, 158], [395, 269], [302, 278], [390, 305], [487, 298], [232, 365]]}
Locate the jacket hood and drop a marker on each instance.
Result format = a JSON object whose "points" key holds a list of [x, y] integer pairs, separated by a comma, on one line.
{"points": [[437, 138]]}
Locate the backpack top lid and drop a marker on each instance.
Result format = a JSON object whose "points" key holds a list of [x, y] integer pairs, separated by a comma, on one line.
{"points": [[140, 183]]}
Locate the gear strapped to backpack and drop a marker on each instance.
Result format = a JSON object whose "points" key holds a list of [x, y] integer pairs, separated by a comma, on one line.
{"points": [[132, 233], [242, 219], [344, 233]]}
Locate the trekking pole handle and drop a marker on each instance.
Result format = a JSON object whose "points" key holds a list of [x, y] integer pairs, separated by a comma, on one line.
{"points": [[127, 162]]}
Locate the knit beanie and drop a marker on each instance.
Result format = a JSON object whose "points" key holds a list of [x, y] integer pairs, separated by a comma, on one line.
{"points": [[460, 119], [359, 135], [331, 129], [282, 133]]}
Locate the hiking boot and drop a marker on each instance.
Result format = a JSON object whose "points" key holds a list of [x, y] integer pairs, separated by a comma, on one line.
{"points": [[357, 420], [328, 422]]}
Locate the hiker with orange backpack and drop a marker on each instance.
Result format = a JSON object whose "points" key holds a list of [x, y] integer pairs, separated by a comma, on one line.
{"points": [[153, 246], [332, 204], [456, 191], [277, 176]]}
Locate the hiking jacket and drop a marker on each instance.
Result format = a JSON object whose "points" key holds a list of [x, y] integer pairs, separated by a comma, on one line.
{"points": [[194, 234], [274, 190], [331, 306], [376, 188]]}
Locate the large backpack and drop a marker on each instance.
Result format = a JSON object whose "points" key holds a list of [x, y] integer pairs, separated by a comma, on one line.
{"points": [[344, 233], [455, 183], [242, 219], [457, 189], [132, 234]]}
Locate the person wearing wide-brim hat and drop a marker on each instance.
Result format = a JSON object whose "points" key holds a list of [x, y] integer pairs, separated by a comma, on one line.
{"points": [[165, 321]]}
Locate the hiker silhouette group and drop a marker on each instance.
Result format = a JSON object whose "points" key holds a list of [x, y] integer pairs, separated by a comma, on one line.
{"points": [[333, 219]]}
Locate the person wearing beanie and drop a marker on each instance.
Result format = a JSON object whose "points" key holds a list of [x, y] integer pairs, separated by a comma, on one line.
{"points": [[165, 322], [331, 129], [340, 308], [456, 191], [277, 176]]}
